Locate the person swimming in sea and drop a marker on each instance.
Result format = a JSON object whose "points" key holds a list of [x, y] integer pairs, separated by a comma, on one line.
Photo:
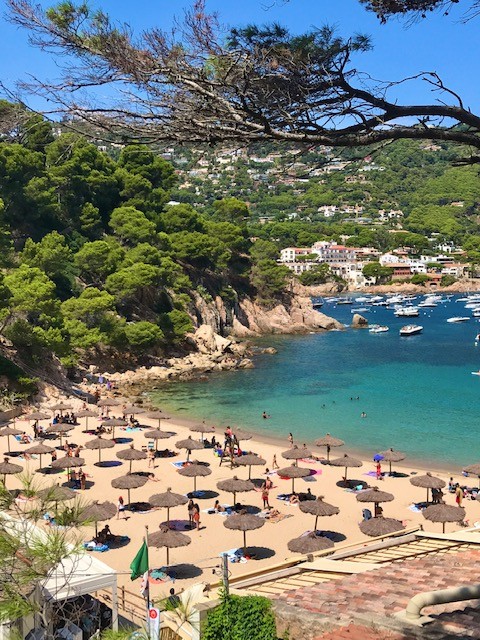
{"points": [[265, 415]]}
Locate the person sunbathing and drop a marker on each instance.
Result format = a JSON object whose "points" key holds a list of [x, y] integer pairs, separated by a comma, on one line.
{"points": [[218, 507], [294, 499]]}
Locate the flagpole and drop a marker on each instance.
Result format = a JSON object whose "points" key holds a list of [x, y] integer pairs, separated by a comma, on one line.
{"points": [[148, 571]]}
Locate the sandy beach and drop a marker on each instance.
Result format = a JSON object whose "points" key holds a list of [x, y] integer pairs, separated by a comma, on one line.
{"points": [[213, 538]]}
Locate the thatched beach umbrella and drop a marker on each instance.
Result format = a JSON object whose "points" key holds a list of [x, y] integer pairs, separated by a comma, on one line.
{"points": [[108, 402], [427, 482], [128, 482], [87, 413], [309, 544], [318, 508], [56, 494], [158, 434], [61, 406], [38, 450], [235, 485], [243, 522], [67, 462], [112, 423], [202, 428], [98, 512], [190, 445], [37, 415], [195, 470], [10, 431], [296, 453], [99, 443], [169, 539], [392, 456], [444, 513], [60, 430], [474, 470], [157, 415], [8, 468], [374, 495], [132, 410], [346, 461], [167, 500], [131, 454], [240, 435], [249, 461], [380, 526], [329, 442], [293, 472]]}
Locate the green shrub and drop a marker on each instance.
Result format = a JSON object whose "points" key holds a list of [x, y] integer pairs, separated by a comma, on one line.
{"points": [[241, 618]]}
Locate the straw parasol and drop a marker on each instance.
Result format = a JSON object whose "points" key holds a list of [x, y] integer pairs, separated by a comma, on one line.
{"points": [[242, 435], [193, 470], [128, 482], [7, 468], [87, 413], [235, 485], [444, 513], [169, 539], [427, 482], [293, 472], [112, 423], [56, 494], [474, 470], [309, 544], [132, 409], [318, 508], [99, 443], [250, 460], [37, 415], [380, 526], [39, 449], [67, 462], [167, 500], [243, 522], [374, 495], [158, 434], [61, 406], [329, 442], [392, 456], [108, 402], [98, 512], [296, 453], [157, 415], [60, 429], [346, 461], [10, 431], [131, 454], [202, 428], [190, 445]]}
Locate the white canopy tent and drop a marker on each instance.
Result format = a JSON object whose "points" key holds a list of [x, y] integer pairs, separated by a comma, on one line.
{"points": [[76, 575]]}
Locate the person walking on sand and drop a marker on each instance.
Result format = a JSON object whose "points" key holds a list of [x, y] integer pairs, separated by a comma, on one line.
{"points": [[196, 516], [120, 507], [190, 509], [290, 439], [265, 492], [378, 471], [83, 479], [151, 458], [274, 462], [458, 495]]}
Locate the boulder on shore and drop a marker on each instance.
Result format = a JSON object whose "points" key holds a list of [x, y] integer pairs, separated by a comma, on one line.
{"points": [[359, 322]]}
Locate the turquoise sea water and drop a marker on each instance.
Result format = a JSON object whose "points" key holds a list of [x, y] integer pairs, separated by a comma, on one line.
{"points": [[418, 392]]}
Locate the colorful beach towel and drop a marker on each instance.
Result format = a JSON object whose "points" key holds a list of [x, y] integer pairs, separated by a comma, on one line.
{"points": [[92, 546], [179, 464], [234, 555], [414, 508], [279, 517]]}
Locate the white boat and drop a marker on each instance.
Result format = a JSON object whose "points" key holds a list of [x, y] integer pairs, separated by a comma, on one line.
{"points": [[407, 312], [476, 313], [378, 328], [411, 330], [429, 302], [458, 319], [360, 310], [344, 301]]}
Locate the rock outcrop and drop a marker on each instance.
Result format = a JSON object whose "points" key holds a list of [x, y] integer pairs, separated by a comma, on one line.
{"points": [[359, 322]]}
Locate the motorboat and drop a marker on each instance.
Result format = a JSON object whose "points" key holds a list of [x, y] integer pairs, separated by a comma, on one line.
{"points": [[378, 328], [411, 330], [360, 310], [476, 313], [407, 312], [344, 301], [317, 303], [428, 302], [458, 319]]}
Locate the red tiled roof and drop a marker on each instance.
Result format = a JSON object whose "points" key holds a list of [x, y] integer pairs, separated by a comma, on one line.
{"points": [[359, 632]]}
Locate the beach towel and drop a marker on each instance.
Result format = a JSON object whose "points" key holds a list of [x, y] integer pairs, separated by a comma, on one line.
{"points": [[92, 546], [179, 525], [179, 464], [310, 461], [158, 575], [234, 555], [371, 474], [131, 429], [414, 508], [279, 517]]}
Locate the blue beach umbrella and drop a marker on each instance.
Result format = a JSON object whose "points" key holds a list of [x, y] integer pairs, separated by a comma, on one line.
{"points": [[377, 457]]}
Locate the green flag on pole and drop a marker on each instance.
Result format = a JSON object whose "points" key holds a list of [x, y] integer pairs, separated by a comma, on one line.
{"points": [[140, 563]]}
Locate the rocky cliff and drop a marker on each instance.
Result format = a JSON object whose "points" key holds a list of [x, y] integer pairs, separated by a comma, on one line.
{"points": [[246, 317]]}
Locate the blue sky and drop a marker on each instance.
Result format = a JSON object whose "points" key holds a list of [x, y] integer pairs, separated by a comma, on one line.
{"points": [[440, 44]]}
